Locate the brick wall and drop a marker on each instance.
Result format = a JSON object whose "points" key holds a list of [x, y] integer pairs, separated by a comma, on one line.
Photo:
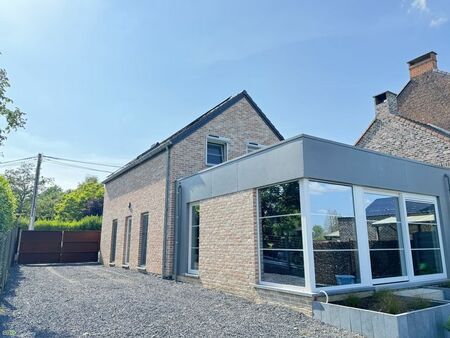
{"points": [[228, 243], [240, 124], [426, 99], [400, 137], [144, 187]]}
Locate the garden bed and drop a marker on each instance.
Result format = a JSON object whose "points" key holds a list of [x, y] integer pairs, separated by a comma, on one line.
{"points": [[386, 315]]}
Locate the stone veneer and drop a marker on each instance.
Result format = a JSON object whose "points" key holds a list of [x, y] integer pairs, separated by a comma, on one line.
{"points": [[395, 135], [229, 252]]}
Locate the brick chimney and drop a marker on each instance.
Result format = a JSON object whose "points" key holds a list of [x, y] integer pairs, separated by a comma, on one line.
{"points": [[423, 64], [386, 103]]}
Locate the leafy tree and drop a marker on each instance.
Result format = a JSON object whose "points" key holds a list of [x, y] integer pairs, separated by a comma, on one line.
{"points": [[14, 118], [22, 182], [47, 201], [85, 200], [7, 205]]}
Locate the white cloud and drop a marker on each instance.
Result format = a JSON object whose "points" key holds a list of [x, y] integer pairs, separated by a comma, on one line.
{"points": [[421, 5], [438, 21]]}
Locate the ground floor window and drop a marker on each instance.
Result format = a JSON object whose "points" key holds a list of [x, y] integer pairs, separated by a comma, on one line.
{"points": [[127, 241], [194, 238], [281, 242], [112, 254], [322, 235], [385, 235], [143, 240], [335, 242], [424, 237]]}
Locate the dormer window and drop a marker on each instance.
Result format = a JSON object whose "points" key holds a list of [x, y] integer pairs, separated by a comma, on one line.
{"points": [[216, 150]]}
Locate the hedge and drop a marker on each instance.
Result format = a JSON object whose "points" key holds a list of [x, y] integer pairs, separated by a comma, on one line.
{"points": [[86, 223], [7, 205]]}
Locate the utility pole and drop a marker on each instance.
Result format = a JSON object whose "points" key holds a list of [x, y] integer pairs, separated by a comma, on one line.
{"points": [[35, 192]]}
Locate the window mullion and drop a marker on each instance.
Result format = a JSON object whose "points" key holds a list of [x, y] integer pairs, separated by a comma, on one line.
{"points": [[362, 236], [308, 254], [406, 241]]}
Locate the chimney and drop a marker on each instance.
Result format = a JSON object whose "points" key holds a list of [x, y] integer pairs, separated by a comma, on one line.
{"points": [[423, 64], [386, 103]]}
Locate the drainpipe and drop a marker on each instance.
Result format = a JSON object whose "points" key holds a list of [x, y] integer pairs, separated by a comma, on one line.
{"points": [[166, 212], [176, 230], [447, 179]]}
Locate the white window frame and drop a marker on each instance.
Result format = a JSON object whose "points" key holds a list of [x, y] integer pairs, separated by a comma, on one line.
{"points": [[286, 287], [254, 146], [363, 225], [364, 282], [432, 200], [190, 270], [366, 279], [220, 141]]}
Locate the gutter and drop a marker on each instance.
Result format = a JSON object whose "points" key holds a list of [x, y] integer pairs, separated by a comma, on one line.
{"points": [[176, 228], [166, 213]]}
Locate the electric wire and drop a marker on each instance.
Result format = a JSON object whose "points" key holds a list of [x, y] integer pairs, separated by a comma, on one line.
{"points": [[83, 162], [51, 161]]}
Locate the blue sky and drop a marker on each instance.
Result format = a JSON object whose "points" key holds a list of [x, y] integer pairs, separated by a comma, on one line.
{"points": [[103, 80]]}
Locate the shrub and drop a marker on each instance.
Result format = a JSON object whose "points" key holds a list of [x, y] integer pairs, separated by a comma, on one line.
{"points": [[353, 301], [447, 324], [7, 205], [86, 223]]}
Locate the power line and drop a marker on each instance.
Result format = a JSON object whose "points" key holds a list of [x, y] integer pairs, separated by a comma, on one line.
{"points": [[84, 162], [51, 161], [19, 160]]}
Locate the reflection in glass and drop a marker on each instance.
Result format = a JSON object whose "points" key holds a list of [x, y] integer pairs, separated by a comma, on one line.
{"points": [[282, 232], [384, 230], [195, 237], [280, 199], [424, 238], [334, 234], [283, 267], [336, 267], [281, 235]]}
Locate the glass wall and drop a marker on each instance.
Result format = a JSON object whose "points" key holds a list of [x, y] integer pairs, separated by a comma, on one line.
{"points": [[351, 235], [384, 230], [424, 237], [281, 245], [334, 235]]}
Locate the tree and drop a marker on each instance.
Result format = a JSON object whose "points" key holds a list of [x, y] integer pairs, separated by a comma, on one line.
{"points": [[47, 201], [22, 181], [7, 205], [14, 118], [85, 200]]}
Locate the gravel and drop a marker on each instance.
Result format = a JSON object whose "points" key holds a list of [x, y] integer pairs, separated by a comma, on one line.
{"points": [[91, 300]]}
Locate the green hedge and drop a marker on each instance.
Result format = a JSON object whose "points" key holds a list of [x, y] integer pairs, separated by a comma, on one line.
{"points": [[86, 223], [7, 205]]}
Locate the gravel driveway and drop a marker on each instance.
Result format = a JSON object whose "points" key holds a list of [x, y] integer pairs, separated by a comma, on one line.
{"points": [[91, 300]]}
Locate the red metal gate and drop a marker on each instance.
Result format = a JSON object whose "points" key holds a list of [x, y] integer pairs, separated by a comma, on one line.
{"points": [[59, 246]]}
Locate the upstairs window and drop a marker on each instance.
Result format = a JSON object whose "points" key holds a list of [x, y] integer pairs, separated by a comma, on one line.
{"points": [[216, 150]]}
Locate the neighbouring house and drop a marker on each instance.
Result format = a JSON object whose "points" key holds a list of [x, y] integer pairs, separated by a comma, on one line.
{"points": [[416, 122], [139, 203], [229, 204]]}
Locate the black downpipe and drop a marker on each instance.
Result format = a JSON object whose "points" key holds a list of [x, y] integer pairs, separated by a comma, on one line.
{"points": [[166, 214]]}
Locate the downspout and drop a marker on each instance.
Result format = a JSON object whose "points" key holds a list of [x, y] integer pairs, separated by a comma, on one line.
{"points": [[447, 178], [176, 229], [166, 213]]}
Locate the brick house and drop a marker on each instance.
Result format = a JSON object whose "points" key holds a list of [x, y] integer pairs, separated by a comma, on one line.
{"points": [[227, 203], [138, 220], [416, 122]]}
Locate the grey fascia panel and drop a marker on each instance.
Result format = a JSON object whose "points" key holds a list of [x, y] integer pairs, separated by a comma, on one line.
{"points": [[224, 180], [282, 163]]}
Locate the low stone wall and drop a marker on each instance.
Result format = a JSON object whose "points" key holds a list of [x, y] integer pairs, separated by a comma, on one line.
{"points": [[426, 323]]}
